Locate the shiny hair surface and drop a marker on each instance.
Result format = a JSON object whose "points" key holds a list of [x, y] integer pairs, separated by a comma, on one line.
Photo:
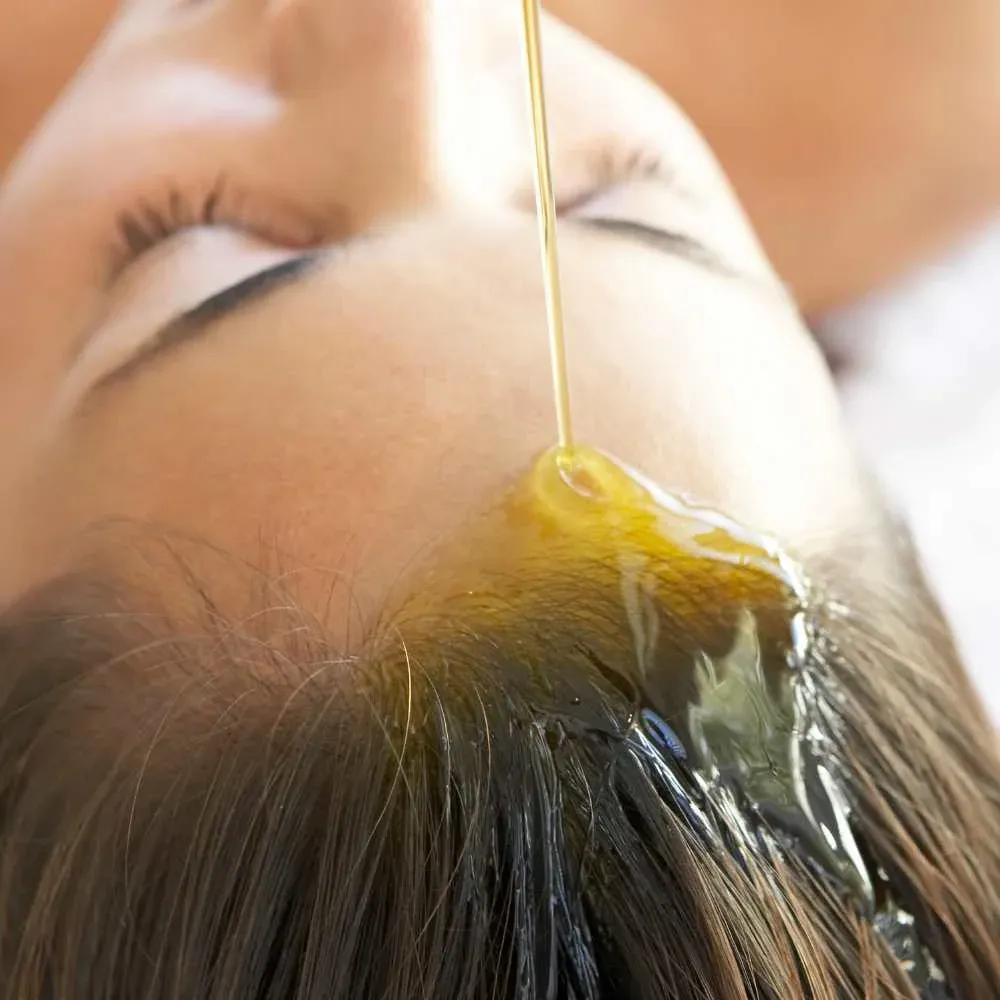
{"points": [[236, 811]]}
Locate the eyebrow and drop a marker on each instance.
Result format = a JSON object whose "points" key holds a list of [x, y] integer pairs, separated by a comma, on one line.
{"points": [[205, 316]]}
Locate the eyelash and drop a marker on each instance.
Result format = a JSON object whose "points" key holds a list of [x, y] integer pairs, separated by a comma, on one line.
{"points": [[611, 167], [146, 226], [635, 164]]}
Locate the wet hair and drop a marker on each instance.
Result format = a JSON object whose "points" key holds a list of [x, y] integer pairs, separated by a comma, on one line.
{"points": [[235, 810]]}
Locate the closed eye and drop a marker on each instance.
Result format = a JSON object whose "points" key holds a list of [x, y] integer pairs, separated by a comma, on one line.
{"points": [[676, 244], [206, 314], [637, 171]]}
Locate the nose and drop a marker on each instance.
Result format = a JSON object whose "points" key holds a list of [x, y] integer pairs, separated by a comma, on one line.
{"points": [[412, 99], [310, 40], [355, 74]]}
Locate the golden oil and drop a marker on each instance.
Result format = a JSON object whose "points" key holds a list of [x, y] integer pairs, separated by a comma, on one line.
{"points": [[699, 623], [598, 579], [589, 587], [605, 611]]}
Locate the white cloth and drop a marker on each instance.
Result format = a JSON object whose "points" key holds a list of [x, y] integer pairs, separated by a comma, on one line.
{"points": [[921, 388]]}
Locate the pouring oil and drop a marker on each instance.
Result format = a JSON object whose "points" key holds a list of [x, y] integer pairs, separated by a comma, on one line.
{"points": [[589, 571], [619, 614]]}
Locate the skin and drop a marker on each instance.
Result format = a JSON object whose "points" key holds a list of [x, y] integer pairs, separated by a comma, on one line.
{"points": [[862, 136], [354, 416]]}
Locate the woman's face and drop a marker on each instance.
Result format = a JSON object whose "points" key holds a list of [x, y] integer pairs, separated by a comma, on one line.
{"points": [[341, 351]]}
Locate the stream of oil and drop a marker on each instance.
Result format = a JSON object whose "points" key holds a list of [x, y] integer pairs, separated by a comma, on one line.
{"points": [[547, 222]]}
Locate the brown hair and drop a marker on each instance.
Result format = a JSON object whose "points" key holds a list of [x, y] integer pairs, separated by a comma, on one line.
{"points": [[239, 812]]}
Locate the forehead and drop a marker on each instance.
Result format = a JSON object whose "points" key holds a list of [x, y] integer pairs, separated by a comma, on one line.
{"points": [[365, 410]]}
